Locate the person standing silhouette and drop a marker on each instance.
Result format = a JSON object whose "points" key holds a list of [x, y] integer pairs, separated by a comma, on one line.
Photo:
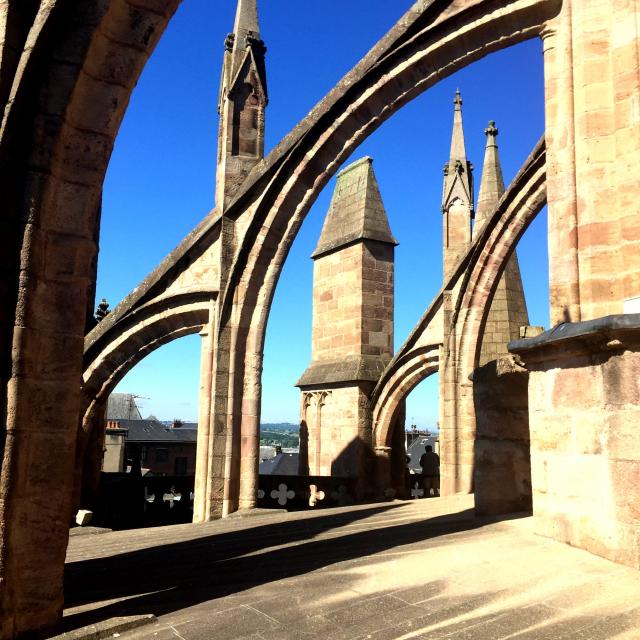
{"points": [[430, 463]]}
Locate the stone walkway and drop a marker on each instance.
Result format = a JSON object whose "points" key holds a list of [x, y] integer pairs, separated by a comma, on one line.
{"points": [[399, 570]]}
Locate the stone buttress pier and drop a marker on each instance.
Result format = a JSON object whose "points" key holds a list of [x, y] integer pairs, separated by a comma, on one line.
{"points": [[352, 341], [506, 316], [241, 107], [584, 381]]}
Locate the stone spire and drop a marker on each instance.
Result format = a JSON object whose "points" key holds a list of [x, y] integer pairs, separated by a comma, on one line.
{"points": [[458, 150], [246, 38], [492, 183], [508, 310], [241, 103], [246, 19], [457, 195], [356, 211]]}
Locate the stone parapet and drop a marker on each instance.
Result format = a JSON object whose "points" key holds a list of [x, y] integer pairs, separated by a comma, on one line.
{"points": [[584, 410], [612, 332]]}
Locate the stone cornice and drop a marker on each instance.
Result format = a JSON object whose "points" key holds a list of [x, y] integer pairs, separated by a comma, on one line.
{"points": [[609, 333]]}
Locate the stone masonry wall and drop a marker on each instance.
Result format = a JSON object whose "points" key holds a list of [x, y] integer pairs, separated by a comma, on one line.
{"points": [[353, 302], [340, 436], [584, 403], [507, 314], [502, 470]]}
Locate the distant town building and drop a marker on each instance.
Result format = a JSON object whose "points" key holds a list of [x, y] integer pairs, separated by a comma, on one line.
{"points": [[283, 463], [160, 449]]}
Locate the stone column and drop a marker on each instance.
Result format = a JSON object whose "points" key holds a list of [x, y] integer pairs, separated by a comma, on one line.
{"points": [[204, 423], [92, 460], [250, 432], [303, 456], [41, 422], [399, 453], [457, 414], [592, 88], [564, 276]]}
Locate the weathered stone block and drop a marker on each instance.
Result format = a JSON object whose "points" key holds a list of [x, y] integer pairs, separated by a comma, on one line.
{"points": [[83, 517]]}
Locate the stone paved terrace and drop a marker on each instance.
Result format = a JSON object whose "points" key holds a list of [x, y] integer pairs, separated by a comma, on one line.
{"points": [[401, 570]]}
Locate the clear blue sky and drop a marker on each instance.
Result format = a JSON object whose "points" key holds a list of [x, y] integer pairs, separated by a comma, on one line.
{"points": [[160, 182]]}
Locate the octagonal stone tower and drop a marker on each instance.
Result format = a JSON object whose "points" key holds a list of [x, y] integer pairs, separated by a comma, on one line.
{"points": [[352, 336]]}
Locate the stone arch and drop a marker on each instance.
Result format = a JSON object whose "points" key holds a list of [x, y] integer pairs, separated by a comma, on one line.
{"points": [[411, 370], [474, 284], [520, 204], [404, 64], [69, 90], [112, 357], [67, 103], [108, 360], [270, 207]]}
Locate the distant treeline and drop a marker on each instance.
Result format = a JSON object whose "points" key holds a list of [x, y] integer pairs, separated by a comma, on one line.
{"points": [[279, 426], [284, 434]]}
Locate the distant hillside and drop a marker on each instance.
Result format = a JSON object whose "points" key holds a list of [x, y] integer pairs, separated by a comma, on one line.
{"points": [[283, 434], [279, 426]]}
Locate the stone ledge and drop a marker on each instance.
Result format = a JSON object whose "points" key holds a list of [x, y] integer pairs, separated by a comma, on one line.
{"points": [[88, 531], [349, 239], [352, 369], [107, 628], [609, 333]]}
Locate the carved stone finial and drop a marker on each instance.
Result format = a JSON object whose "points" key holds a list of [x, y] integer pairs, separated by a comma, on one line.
{"points": [[253, 41], [103, 310], [491, 130], [457, 101]]}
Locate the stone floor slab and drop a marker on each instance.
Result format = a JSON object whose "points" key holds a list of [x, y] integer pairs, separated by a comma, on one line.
{"points": [[391, 571]]}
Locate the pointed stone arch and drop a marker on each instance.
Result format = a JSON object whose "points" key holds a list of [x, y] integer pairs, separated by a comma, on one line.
{"points": [[54, 149], [468, 295]]}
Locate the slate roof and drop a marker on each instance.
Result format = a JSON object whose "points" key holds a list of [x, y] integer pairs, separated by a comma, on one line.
{"points": [[154, 431], [347, 369], [284, 464], [122, 406]]}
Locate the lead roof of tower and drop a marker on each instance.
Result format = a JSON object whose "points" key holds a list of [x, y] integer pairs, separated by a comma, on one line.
{"points": [[458, 171], [356, 211]]}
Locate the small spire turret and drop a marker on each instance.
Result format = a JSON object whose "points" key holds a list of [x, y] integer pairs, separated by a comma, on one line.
{"points": [[241, 104], [508, 310], [492, 183], [457, 194], [102, 310]]}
